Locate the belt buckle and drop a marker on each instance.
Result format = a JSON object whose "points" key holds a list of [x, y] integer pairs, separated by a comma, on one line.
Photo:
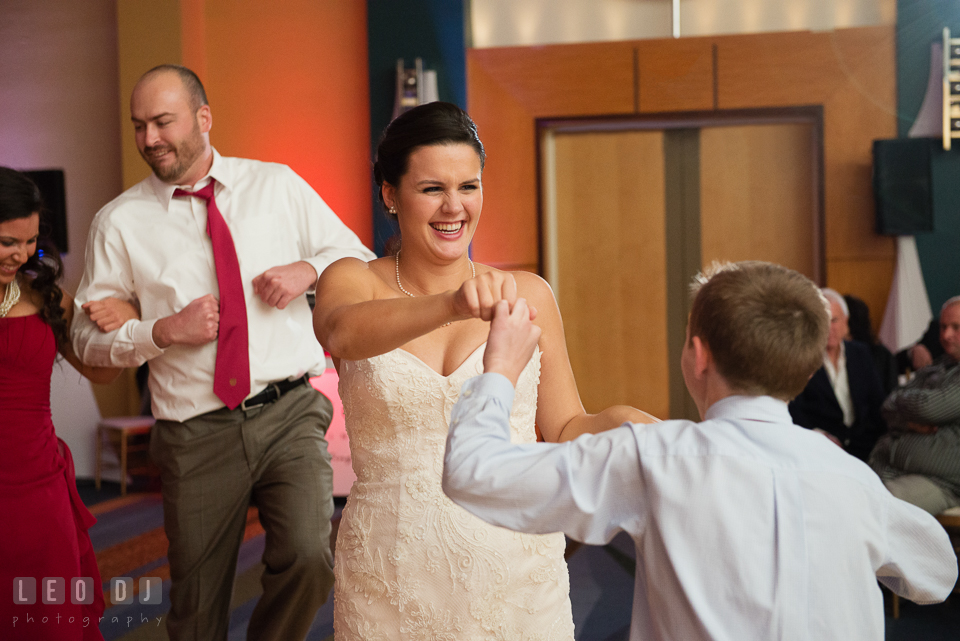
{"points": [[276, 391]]}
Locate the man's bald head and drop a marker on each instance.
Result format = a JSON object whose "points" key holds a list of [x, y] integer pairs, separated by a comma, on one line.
{"points": [[191, 83], [171, 123]]}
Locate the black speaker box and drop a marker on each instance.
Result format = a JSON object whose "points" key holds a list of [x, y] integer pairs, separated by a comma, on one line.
{"points": [[54, 193], [903, 186]]}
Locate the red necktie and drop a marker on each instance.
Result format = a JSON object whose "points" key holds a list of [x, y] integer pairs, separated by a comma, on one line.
{"points": [[231, 378]]}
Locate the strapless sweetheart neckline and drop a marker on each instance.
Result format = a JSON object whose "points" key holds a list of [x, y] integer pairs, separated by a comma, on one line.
{"points": [[459, 367]]}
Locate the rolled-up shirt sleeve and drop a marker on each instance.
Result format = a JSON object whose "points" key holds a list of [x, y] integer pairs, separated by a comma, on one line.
{"points": [[323, 237], [106, 274], [590, 488]]}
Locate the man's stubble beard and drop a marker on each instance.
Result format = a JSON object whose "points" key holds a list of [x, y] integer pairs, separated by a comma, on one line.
{"points": [[186, 154]]}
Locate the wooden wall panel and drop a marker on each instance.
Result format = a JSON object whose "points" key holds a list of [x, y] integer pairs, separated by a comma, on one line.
{"points": [[561, 80], [611, 281], [776, 69], [675, 75], [852, 124], [757, 195], [503, 238], [850, 72]]}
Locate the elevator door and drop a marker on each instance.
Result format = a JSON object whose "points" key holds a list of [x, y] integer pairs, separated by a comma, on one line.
{"points": [[630, 216], [611, 266], [757, 193]]}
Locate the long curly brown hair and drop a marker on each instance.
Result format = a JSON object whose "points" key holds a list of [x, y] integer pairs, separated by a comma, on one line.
{"points": [[20, 198]]}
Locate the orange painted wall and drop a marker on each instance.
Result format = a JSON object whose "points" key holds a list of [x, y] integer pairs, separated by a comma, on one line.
{"points": [[287, 82]]}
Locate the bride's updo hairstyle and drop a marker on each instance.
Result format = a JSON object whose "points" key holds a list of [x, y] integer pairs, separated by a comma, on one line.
{"points": [[20, 198], [435, 123]]}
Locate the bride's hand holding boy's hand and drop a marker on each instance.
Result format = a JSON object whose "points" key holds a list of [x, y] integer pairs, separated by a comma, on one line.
{"points": [[513, 337], [478, 296]]}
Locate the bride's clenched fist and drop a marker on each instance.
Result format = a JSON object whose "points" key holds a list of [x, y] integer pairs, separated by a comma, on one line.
{"points": [[477, 297]]}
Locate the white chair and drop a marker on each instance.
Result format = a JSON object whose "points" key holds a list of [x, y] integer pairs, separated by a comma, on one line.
{"points": [[128, 435]]}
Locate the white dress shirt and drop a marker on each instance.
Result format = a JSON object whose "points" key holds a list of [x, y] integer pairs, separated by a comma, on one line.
{"points": [[746, 526], [148, 246], [840, 382]]}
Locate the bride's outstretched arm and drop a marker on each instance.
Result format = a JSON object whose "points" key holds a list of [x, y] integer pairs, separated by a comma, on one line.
{"points": [[560, 414], [358, 316], [355, 317]]}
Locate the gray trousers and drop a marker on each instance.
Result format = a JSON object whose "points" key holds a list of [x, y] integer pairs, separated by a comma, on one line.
{"points": [[212, 468]]}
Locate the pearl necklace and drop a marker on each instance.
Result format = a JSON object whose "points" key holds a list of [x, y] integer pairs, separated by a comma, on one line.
{"points": [[473, 270], [11, 298]]}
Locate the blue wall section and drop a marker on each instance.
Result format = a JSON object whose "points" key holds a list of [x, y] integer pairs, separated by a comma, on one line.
{"points": [[432, 30], [920, 23], [940, 251]]}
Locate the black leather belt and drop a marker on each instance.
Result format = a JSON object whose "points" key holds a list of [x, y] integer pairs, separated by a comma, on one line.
{"points": [[273, 392]]}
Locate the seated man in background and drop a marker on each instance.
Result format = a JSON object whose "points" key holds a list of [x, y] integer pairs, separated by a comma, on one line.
{"points": [[924, 352], [843, 398], [919, 460], [746, 526], [861, 330]]}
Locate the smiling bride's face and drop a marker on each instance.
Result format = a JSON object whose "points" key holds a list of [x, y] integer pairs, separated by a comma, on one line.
{"points": [[439, 199]]}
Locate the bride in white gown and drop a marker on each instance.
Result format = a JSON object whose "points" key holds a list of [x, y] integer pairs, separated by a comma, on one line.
{"points": [[406, 332]]}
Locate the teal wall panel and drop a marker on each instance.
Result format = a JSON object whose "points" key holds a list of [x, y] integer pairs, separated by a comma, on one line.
{"points": [[432, 30], [919, 24], [940, 250]]}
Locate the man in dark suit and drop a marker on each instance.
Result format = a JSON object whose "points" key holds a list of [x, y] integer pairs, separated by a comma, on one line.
{"points": [[843, 398]]}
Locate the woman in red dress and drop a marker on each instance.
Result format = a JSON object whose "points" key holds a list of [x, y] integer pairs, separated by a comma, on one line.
{"points": [[44, 531]]}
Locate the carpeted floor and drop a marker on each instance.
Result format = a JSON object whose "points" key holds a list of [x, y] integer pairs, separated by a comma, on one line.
{"points": [[129, 541]]}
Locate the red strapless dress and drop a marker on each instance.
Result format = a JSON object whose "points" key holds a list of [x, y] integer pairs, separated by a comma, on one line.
{"points": [[43, 530]]}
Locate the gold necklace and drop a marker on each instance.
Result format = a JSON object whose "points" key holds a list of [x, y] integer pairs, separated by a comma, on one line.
{"points": [[11, 298], [473, 270]]}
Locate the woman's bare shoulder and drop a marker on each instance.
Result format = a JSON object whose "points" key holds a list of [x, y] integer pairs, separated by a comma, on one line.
{"points": [[348, 266], [355, 275], [353, 268], [533, 287]]}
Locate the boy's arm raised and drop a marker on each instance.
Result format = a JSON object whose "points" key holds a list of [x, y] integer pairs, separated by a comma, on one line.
{"points": [[590, 488]]}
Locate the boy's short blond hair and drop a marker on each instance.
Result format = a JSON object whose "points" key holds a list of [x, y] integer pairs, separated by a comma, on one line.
{"points": [[766, 326]]}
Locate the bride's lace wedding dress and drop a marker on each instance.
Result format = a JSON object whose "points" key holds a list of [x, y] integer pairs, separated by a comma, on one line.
{"points": [[410, 564]]}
